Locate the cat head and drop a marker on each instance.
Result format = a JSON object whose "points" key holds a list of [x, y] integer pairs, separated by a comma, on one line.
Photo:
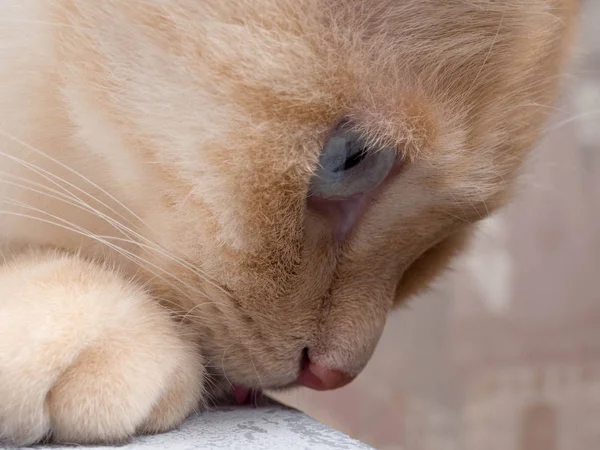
{"points": [[308, 164]]}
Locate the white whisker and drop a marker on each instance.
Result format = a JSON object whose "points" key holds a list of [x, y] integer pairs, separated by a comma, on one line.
{"points": [[223, 365], [121, 227], [74, 172], [252, 362], [49, 176], [86, 233], [570, 120]]}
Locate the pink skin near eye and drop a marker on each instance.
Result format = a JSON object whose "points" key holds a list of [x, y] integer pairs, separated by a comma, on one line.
{"points": [[345, 212]]}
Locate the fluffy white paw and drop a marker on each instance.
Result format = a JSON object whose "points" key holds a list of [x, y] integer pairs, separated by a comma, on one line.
{"points": [[86, 357]]}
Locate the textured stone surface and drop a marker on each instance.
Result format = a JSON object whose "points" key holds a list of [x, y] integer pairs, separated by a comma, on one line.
{"points": [[272, 427]]}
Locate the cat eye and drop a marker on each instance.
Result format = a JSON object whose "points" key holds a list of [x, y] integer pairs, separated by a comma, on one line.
{"points": [[350, 166]]}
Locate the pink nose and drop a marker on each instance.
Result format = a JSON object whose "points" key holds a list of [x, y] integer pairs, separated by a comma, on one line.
{"points": [[319, 378]]}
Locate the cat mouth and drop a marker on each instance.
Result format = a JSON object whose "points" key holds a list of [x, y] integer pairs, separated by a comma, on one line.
{"points": [[248, 396], [243, 395]]}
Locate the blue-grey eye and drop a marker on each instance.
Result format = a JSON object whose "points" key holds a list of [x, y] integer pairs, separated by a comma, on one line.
{"points": [[349, 165]]}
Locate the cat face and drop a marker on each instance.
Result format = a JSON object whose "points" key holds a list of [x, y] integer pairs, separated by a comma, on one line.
{"points": [[315, 161]]}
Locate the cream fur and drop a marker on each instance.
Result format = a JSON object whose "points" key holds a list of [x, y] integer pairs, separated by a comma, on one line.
{"points": [[155, 164]]}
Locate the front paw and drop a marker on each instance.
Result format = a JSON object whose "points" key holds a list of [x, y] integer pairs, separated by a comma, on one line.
{"points": [[118, 389], [86, 357]]}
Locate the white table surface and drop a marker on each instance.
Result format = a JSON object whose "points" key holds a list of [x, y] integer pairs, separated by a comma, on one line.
{"points": [[269, 427]]}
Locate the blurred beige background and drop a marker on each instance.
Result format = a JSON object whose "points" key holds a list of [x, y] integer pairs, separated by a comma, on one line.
{"points": [[504, 352]]}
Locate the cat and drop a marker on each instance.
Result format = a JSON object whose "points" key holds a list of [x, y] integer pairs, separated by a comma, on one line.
{"points": [[205, 198]]}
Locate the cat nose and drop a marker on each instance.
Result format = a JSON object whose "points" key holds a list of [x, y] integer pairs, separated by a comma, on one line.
{"points": [[320, 378]]}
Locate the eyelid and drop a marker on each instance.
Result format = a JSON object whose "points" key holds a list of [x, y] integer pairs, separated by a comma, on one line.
{"points": [[345, 213]]}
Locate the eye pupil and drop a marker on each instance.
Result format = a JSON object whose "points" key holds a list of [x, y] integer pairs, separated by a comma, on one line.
{"points": [[353, 160]]}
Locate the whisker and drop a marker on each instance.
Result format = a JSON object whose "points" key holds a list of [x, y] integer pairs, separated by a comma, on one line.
{"points": [[191, 312], [493, 44], [119, 226], [86, 233], [49, 176], [61, 198], [180, 261], [223, 365], [252, 362], [124, 252], [572, 119], [74, 172]]}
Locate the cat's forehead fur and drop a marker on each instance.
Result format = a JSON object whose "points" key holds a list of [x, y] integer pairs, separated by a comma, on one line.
{"points": [[228, 103]]}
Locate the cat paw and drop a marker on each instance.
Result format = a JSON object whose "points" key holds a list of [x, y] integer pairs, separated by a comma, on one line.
{"points": [[110, 393], [86, 357]]}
